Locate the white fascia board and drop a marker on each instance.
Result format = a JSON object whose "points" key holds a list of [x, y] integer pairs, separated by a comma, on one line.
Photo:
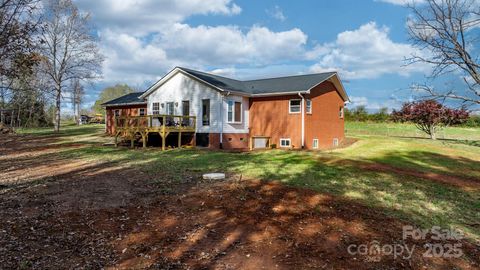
{"points": [[280, 93], [171, 74]]}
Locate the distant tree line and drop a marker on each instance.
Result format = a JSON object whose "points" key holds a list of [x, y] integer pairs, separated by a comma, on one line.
{"points": [[361, 114], [427, 115]]}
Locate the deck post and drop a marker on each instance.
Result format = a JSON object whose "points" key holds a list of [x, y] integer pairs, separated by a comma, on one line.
{"points": [[163, 133], [116, 139], [144, 139], [179, 139], [132, 140]]}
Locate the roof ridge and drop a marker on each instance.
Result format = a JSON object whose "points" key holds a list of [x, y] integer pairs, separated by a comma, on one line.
{"points": [[291, 76], [210, 74], [270, 78]]}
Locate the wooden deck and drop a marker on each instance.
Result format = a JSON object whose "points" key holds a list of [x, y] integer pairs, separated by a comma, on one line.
{"points": [[129, 127]]}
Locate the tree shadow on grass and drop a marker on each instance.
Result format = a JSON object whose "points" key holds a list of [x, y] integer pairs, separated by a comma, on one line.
{"points": [[228, 224], [116, 217]]}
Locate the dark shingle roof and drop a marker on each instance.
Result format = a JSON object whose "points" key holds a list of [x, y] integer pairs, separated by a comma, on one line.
{"points": [[263, 86], [132, 98], [218, 81], [286, 84]]}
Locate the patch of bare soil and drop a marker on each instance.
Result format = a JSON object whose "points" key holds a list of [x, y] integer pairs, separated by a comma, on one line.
{"points": [[106, 216]]}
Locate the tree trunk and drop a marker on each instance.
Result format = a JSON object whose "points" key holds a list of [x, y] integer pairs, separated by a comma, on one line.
{"points": [[77, 105], [56, 121], [433, 135]]}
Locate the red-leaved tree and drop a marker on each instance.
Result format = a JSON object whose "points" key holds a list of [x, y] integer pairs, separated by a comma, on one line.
{"points": [[429, 115]]}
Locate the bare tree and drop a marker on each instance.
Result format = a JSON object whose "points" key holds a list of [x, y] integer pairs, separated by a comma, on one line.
{"points": [[78, 92], [17, 30], [70, 49], [447, 32]]}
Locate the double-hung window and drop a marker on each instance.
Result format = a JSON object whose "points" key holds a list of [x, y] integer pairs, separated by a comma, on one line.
{"points": [[340, 113], [315, 144], [234, 112], [156, 108], [141, 111], [308, 105], [295, 106], [206, 112]]}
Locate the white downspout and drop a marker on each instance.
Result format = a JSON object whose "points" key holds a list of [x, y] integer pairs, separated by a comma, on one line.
{"points": [[303, 119], [221, 117]]}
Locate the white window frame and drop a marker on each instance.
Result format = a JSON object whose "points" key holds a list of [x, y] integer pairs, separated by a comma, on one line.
{"points": [[232, 102], [336, 142], [157, 111], [308, 107], [140, 111], [116, 112], [290, 106], [170, 105], [285, 140], [315, 144], [342, 112]]}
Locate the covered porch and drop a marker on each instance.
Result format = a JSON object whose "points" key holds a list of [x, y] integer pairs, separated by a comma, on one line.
{"points": [[133, 127]]}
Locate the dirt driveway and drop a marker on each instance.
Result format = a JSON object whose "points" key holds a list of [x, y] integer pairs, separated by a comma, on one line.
{"points": [[60, 213]]}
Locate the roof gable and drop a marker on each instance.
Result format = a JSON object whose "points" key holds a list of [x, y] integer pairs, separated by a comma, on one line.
{"points": [[260, 87], [128, 99]]}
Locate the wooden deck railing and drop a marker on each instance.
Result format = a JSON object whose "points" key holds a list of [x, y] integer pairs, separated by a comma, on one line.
{"points": [[129, 126], [155, 123]]}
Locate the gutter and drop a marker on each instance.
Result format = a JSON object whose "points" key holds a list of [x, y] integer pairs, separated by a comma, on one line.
{"points": [[123, 104], [280, 93], [303, 119]]}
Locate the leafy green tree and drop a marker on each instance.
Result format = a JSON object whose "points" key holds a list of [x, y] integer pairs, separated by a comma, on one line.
{"points": [[110, 93]]}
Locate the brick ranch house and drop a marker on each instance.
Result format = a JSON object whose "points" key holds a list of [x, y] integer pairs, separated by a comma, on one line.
{"points": [[304, 111]]}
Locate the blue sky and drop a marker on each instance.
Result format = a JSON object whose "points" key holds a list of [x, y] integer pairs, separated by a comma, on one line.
{"points": [[365, 41]]}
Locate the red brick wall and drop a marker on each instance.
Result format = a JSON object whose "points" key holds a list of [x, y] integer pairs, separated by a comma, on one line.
{"points": [[269, 116], [230, 141], [131, 110], [324, 123]]}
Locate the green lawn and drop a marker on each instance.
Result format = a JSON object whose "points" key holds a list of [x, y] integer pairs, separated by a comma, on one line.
{"points": [[339, 172]]}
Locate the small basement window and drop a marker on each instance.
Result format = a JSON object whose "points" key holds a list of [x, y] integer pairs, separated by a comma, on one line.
{"points": [[309, 105], [156, 108], [315, 144], [335, 142], [285, 142], [141, 111], [295, 106]]}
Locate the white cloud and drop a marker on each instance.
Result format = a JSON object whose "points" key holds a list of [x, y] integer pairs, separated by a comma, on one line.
{"points": [[140, 17], [358, 101], [367, 52], [276, 13], [144, 39], [226, 45], [402, 2], [390, 103]]}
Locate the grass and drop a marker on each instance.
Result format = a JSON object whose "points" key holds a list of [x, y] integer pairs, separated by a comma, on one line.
{"points": [[339, 172]]}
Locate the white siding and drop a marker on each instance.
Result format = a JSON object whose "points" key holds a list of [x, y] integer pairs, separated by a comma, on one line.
{"points": [[181, 87], [240, 127]]}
